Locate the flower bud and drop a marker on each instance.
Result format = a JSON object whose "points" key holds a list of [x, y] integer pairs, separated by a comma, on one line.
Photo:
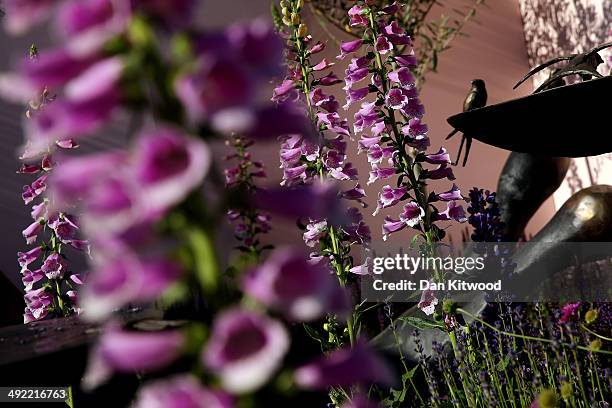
{"points": [[591, 316], [595, 344], [302, 30], [295, 19]]}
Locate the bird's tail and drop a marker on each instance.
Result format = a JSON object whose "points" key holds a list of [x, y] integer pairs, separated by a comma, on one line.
{"points": [[452, 134]]}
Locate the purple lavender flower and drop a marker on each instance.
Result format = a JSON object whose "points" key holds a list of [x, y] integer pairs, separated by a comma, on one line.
{"points": [[124, 351], [348, 366], [245, 349], [289, 283]]}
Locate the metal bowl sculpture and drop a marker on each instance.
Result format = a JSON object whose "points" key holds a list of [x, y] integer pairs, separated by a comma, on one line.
{"points": [[562, 122]]}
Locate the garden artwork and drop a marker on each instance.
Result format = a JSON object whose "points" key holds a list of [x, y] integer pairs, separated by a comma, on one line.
{"points": [[193, 296]]}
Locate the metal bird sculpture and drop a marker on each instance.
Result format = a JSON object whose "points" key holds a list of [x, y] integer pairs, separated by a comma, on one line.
{"points": [[476, 98], [584, 64]]}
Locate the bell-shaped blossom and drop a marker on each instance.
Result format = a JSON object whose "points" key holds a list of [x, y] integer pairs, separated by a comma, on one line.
{"points": [[29, 278], [396, 99], [408, 60], [21, 15], [288, 283], [441, 172], [26, 258], [428, 302], [441, 157], [380, 173], [245, 349], [54, 266], [125, 351], [37, 304], [412, 214], [284, 90], [453, 212], [396, 34], [315, 230], [169, 165], [39, 211], [327, 80], [356, 193], [389, 196], [345, 367], [349, 47], [390, 226], [453, 194], [31, 232], [126, 279], [383, 45], [182, 391], [87, 25], [402, 76], [355, 95], [357, 16]]}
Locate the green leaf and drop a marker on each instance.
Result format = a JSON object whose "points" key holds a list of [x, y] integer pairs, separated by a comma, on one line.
{"points": [[421, 323], [204, 259]]}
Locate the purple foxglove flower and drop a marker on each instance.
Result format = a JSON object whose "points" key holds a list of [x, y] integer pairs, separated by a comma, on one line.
{"points": [[169, 165], [389, 196], [402, 76], [376, 153], [322, 65], [366, 117], [76, 278], [54, 266], [452, 212], [124, 280], [87, 25], [568, 311], [284, 90], [383, 45], [412, 214], [54, 68], [31, 232], [21, 15], [217, 84], [390, 226], [173, 13], [363, 269], [65, 228], [355, 194], [396, 34], [378, 128], [26, 258], [345, 367], [183, 391], [317, 48], [408, 61], [442, 157], [315, 230], [415, 128], [287, 282], [366, 142], [428, 302], [29, 168], [348, 47], [396, 99], [38, 301], [439, 173], [329, 104], [413, 108], [124, 351], [357, 16], [359, 233], [294, 175], [453, 194], [378, 173], [355, 76], [355, 95], [391, 9], [245, 349], [328, 80], [29, 278], [348, 172]]}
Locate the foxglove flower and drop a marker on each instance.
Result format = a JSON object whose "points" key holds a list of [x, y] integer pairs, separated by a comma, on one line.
{"points": [[183, 391], [453, 212], [389, 196], [29, 278], [345, 367], [54, 266], [37, 304], [290, 284], [124, 351], [26, 258], [245, 349], [412, 214], [428, 302], [126, 279]]}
